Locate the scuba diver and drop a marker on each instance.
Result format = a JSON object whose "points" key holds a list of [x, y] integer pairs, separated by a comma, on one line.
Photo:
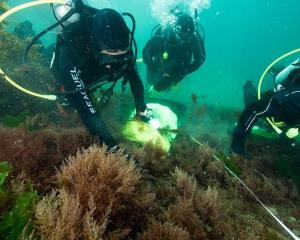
{"points": [[174, 51], [95, 46], [24, 30], [283, 103]]}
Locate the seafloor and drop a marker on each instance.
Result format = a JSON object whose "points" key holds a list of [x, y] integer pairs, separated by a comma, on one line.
{"points": [[60, 183]]}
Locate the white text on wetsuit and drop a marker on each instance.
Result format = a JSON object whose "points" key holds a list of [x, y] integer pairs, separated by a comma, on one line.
{"points": [[80, 87]]}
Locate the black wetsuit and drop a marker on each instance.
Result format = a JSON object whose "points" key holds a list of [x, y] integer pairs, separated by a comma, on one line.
{"points": [[74, 66], [283, 105], [184, 57]]}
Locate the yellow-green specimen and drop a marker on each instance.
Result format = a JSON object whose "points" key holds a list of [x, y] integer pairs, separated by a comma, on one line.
{"points": [[141, 132], [159, 130]]}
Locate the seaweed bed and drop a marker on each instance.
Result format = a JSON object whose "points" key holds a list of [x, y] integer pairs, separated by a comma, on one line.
{"points": [[60, 183]]}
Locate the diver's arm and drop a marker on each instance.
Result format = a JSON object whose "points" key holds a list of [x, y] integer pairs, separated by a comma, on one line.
{"points": [[137, 88], [198, 54], [91, 119], [68, 72]]}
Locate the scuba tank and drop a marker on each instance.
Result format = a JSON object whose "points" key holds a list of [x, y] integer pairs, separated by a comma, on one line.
{"points": [[67, 13], [285, 72], [59, 11]]}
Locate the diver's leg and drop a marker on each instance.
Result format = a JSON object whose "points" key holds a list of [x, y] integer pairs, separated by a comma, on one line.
{"points": [[250, 115]]}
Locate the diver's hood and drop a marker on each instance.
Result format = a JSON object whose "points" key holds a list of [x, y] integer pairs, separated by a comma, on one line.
{"points": [[109, 31], [186, 24]]}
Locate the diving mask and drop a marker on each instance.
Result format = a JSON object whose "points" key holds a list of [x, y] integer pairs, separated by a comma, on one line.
{"points": [[114, 56]]}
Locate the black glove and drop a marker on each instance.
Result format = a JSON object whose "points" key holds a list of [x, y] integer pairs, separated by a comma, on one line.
{"points": [[145, 116]]}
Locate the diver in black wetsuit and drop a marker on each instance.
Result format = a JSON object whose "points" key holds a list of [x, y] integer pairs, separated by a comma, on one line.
{"points": [[24, 30], [283, 104], [94, 46], [173, 52]]}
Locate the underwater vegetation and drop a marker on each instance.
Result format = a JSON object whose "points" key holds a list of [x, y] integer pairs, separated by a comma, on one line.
{"points": [[13, 121], [39, 153], [84, 192], [16, 205], [34, 75], [93, 194], [78, 190], [3, 6]]}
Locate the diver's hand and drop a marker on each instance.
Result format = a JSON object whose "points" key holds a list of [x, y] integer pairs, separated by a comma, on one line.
{"points": [[145, 116], [278, 88]]}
